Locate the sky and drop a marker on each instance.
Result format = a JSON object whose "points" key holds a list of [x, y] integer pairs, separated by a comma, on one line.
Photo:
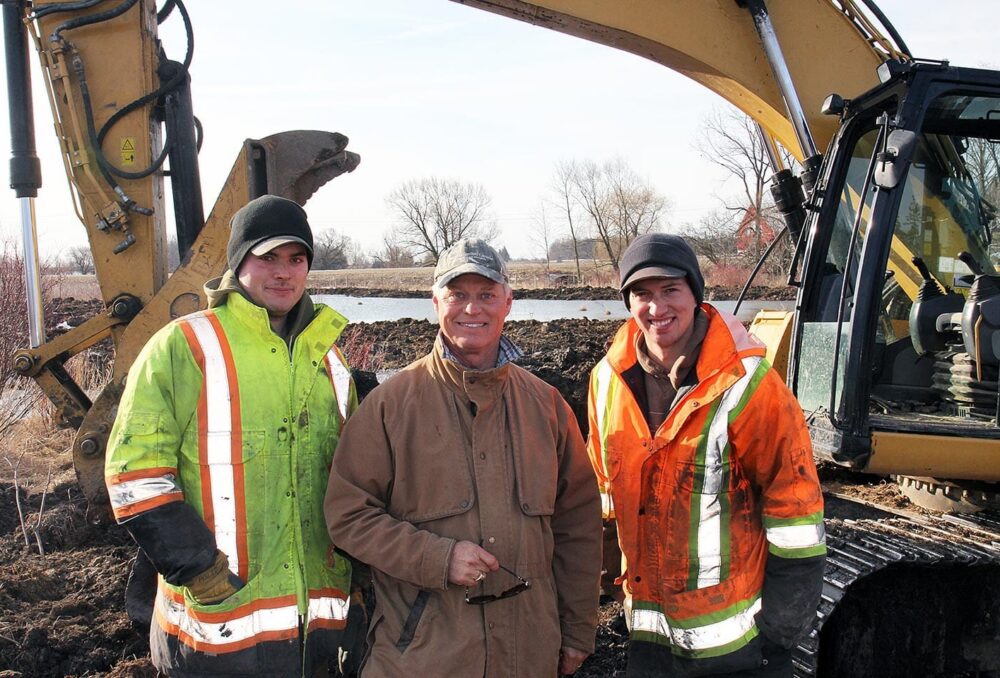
{"points": [[435, 88]]}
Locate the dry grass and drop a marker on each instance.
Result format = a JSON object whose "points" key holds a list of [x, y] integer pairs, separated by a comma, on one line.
{"points": [[73, 285], [34, 443]]}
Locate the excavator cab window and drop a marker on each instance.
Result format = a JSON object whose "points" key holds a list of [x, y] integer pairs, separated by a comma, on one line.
{"points": [[837, 281], [932, 353]]}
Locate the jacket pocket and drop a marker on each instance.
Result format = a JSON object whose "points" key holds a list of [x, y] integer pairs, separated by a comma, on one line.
{"points": [[141, 431], [412, 620], [537, 478], [219, 447], [707, 503], [711, 626]]}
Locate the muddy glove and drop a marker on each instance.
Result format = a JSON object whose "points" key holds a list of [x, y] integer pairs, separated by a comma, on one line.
{"points": [[216, 583]]}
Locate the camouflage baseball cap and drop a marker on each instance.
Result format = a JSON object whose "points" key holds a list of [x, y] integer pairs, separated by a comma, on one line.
{"points": [[469, 256]]}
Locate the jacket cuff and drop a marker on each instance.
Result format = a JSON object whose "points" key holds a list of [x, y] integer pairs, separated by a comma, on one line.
{"points": [[435, 562], [792, 588], [579, 636]]}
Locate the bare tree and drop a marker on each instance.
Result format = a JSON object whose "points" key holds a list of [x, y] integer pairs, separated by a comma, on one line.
{"points": [[563, 185], [434, 213], [392, 255], [619, 205], [332, 250], [732, 141], [81, 259], [714, 238], [637, 207], [542, 237]]}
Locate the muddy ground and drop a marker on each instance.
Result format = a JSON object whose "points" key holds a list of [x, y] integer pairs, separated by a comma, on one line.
{"points": [[61, 613]]}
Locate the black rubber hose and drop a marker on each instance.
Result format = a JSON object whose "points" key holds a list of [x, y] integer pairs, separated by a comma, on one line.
{"points": [[884, 20], [165, 11], [65, 7], [145, 99], [91, 19]]}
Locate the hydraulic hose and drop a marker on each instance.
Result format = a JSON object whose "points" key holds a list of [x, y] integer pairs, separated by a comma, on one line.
{"points": [[884, 20]]}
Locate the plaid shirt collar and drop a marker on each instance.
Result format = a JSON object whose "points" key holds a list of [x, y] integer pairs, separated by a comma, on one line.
{"points": [[508, 353]]}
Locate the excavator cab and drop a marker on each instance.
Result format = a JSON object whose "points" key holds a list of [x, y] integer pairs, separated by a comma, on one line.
{"points": [[895, 346]]}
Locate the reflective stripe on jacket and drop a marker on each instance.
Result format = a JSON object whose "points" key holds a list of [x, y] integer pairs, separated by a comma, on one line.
{"points": [[727, 479], [218, 415]]}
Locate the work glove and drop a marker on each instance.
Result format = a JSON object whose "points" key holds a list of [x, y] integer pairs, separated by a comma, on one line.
{"points": [[216, 583]]}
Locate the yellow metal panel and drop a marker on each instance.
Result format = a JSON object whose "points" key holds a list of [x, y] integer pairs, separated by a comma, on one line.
{"points": [[921, 454], [119, 61], [774, 328]]}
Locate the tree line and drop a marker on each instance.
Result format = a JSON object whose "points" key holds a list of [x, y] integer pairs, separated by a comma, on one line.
{"points": [[591, 210]]}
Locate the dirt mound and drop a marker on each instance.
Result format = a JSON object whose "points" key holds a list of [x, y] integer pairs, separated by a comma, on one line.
{"points": [[565, 293], [61, 614]]}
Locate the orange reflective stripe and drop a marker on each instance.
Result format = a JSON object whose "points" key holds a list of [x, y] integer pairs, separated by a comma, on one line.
{"points": [[236, 449], [206, 480], [220, 441]]}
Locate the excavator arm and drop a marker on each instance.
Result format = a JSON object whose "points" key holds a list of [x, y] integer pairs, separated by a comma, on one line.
{"points": [[124, 119]]}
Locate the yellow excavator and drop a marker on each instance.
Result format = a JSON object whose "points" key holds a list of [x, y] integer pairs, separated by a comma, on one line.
{"points": [[124, 119], [893, 346]]}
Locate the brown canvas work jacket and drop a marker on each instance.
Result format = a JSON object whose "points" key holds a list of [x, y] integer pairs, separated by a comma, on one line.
{"points": [[441, 453]]}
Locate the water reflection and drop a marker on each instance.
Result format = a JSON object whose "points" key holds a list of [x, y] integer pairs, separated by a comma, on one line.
{"points": [[374, 309]]}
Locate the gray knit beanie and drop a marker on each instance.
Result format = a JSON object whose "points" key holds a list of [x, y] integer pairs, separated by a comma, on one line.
{"points": [[659, 255], [268, 217]]}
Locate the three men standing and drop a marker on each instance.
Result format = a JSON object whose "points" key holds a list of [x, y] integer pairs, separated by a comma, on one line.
{"points": [[704, 460], [463, 481], [218, 461]]}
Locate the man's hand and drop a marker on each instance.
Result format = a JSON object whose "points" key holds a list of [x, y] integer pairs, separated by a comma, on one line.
{"points": [[469, 564], [570, 660], [214, 584]]}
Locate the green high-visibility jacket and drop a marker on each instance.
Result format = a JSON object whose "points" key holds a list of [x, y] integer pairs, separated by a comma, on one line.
{"points": [[224, 440]]}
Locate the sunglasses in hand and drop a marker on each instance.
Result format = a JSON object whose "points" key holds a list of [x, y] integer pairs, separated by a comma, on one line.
{"points": [[521, 586]]}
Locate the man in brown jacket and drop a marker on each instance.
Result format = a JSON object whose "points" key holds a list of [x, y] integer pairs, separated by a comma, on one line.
{"points": [[464, 482]]}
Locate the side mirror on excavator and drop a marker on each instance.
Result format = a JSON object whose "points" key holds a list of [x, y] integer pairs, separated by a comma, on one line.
{"points": [[891, 163]]}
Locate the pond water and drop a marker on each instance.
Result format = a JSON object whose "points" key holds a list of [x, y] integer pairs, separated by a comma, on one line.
{"points": [[374, 309]]}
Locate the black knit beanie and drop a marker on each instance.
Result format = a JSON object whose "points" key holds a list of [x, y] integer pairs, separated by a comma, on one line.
{"points": [[659, 255], [263, 218]]}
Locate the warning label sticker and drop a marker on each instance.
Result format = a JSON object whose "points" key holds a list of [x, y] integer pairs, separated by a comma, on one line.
{"points": [[128, 150]]}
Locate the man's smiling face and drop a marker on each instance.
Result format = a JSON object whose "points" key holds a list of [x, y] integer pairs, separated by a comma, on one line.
{"points": [[664, 310], [471, 310]]}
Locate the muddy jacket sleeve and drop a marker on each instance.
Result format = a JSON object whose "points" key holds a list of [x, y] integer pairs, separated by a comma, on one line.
{"points": [[147, 495], [776, 454], [576, 530]]}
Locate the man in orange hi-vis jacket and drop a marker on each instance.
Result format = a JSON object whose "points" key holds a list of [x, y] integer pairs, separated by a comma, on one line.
{"points": [[703, 459]]}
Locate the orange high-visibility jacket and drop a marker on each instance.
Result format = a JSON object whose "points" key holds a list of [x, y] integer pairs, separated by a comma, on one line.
{"points": [[727, 482]]}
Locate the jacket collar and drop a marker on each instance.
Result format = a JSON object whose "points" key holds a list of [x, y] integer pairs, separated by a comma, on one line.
{"points": [[316, 325], [726, 343], [482, 387]]}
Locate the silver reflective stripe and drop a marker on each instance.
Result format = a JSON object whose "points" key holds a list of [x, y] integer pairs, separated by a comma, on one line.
{"points": [[340, 377], [710, 509], [704, 637], [130, 492], [328, 607], [228, 630], [602, 405], [797, 536], [219, 439]]}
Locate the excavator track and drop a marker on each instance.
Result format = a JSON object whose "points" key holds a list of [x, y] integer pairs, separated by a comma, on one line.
{"points": [[868, 558]]}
